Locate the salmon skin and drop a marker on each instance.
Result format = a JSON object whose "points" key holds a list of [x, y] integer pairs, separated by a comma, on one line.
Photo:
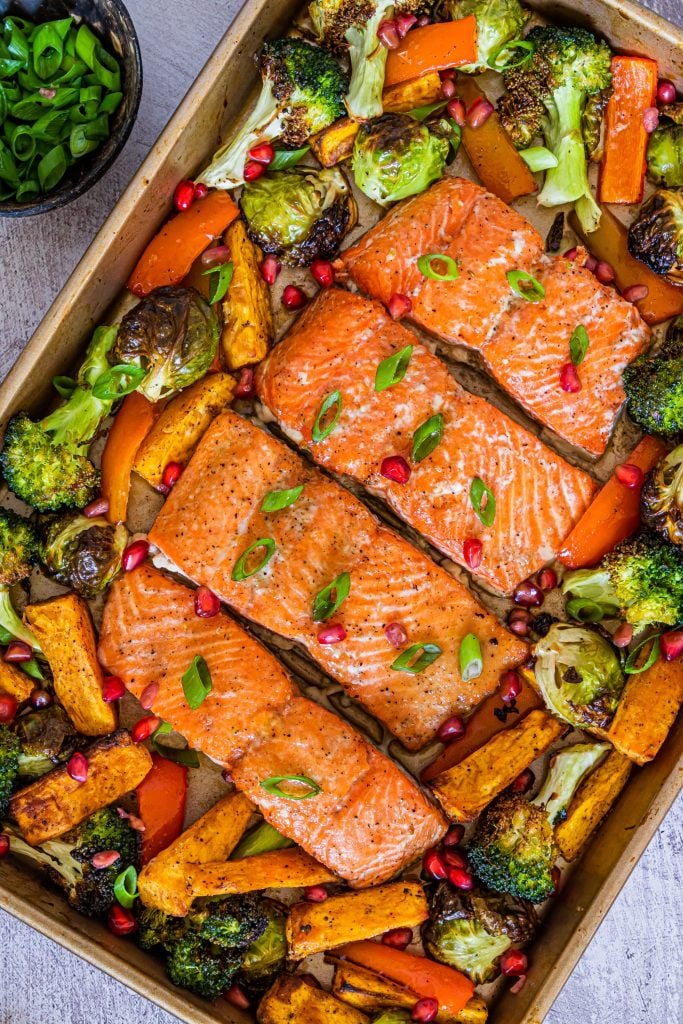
{"points": [[369, 819], [214, 514], [523, 344], [338, 344]]}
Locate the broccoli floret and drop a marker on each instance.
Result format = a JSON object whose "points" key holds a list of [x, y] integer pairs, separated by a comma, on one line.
{"points": [[18, 554], [661, 497], [642, 578], [46, 463], [302, 93], [267, 954], [201, 967], [656, 235], [67, 860], [498, 21], [654, 386], [10, 749]]}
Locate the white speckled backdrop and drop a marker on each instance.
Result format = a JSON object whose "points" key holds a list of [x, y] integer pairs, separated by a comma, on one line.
{"points": [[631, 972]]}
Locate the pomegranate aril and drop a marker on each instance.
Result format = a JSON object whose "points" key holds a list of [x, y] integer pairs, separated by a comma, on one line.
{"points": [[217, 254], [227, 777], [270, 268], [456, 110], [454, 836], [323, 272], [8, 708], [547, 579], [447, 73], [98, 507], [387, 33], [623, 635], [149, 695], [112, 689], [120, 921], [332, 634], [452, 729], [134, 555], [144, 727], [523, 782], [172, 475], [650, 119], [398, 938], [569, 379], [666, 91], [206, 604], [253, 170], [77, 767], [245, 385], [262, 154], [106, 859], [424, 20], [636, 293], [455, 859], [513, 963], [4, 845], [315, 894], [404, 23], [570, 254], [479, 112], [425, 1010], [200, 190], [399, 306], [395, 634], [671, 644], [528, 594], [448, 88], [510, 686], [591, 263], [460, 879], [604, 272], [18, 651], [629, 475], [433, 865], [293, 297], [520, 621], [237, 996], [395, 468], [41, 699], [184, 195], [472, 550]]}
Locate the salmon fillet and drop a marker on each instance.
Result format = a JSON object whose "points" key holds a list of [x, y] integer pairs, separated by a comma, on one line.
{"points": [[368, 821], [338, 344], [523, 344], [213, 515]]}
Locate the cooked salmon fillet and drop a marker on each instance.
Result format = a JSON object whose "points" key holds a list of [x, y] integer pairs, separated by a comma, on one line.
{"points": [[337, 345], [213, 515], [369, 819], [523, 344]]}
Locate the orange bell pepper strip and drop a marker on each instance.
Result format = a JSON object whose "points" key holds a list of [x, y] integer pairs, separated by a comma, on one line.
{"points": [[426, 978], [634, 90], [162, 796], [448, 44], [495, 160], [613, 515], [481, 726], [169, 256], [132, 423], [610, 243]]}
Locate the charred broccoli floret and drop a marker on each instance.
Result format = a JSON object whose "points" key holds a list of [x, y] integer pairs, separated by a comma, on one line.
{"points": [[656, 235], [46, 463], [266, 954], [471, 930], [10, 750], [498, 21], [661, 497], [568, 66], [18, 554], [302, 93], [299, 215], [642, 578], [67, 861], [201, 968], [396, 156], [83, 553]]}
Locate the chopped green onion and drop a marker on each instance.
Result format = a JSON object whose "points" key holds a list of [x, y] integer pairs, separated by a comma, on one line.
{"points": [[241, 571], [52, 168], [427, 437], [328, 600], [64, 386], [321, 429], [524, 45], [631, 668], [48, 47], [101, 63], [416, 658], [483, 501], [425, 265], [121, 380], [32, 668], [578, 345], [538, 158], [219, 284], [525, 285], [274, 785], [197, 684], [422, 113], [126, 887], [470, 657], [584, 610], [392, 370], [181, 755], [262, 839], [274, 501], [285, 158]]}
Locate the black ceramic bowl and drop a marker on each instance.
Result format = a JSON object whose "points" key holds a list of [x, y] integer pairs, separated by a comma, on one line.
{"points": [[110, 20]]}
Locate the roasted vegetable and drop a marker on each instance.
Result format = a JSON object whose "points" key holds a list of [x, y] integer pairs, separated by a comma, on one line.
{"points": [[579, 676], [567, 769], [568, 66], [65, 631], [10, 752], [67, 861], [654, 386], [47, 738], [433, 47], [634, 92], [132, 423], [161, 799], [299, 215], [665, 156], [46, 463], [266, 956], [591, 802], [471, 930], [18, 554], [498, 21], [656, 235], [635, 730], [279, 869], [56, 803], [303, 92], [396, 156], [642, 580], [296, 1000], [248, 325], [661, 497], [15, 682], [172, 334], [82, 553]]}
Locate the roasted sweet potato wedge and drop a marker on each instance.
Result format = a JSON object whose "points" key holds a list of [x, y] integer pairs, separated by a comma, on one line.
{"points": [[591, 803], [293, 1000], [56, 803], [648, 708], [15, 682], [64, 628], [279, 869], [248, 325]]}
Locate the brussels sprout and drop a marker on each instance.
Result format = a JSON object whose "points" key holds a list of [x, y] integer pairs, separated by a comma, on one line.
{"points": [[299, 215], [48, 737], [656, 236], [83, 553], [579, 676], [665, 156], [396, 156], [661, 497], [173, 335]]}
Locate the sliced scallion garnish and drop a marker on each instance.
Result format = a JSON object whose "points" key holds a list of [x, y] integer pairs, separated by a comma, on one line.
{"points": [[323, 425], [483, 501], [181, 755], [126, 887], [328, 600], [631, 668], [221, 278], [242, 570], [426, 266], [427, 437], [392, 370], [274, 785], [524, 46], [470, 658], [538, 158], [578, 345], [525, 285], [584, 610], [416, 658], [197, 683], [274, 501], [121, 380]]}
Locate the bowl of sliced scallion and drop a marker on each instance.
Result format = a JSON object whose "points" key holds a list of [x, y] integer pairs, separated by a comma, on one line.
{"points": [[70, 88]]}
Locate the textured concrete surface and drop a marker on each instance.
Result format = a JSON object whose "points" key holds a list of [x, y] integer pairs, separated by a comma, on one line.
{"points": [[630, 973]]}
